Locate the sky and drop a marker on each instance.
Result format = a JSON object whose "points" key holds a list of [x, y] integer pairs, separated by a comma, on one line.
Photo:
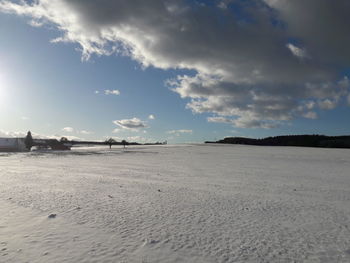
{"points": [[175, 70]]}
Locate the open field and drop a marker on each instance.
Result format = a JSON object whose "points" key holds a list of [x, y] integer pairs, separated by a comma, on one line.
{"points": [[185, 203]]}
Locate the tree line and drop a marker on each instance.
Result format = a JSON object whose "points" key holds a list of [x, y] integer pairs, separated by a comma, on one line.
{"points": [[314, 140]]}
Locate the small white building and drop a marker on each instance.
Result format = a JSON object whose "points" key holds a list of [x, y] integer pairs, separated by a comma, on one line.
{"points": [[12, 145]]}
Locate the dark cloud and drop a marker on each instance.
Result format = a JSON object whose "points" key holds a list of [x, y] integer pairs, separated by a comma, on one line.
{"points": [[259, 61], [321, 25]]}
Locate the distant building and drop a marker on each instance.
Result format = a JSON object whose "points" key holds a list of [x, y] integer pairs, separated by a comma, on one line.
{"points": [[12, 145]]}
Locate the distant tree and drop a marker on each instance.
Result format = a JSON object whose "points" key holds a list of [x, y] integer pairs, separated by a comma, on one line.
{"points": [[305, 140], [28, 141], [124, 142], [110, 142], [64, 139]]}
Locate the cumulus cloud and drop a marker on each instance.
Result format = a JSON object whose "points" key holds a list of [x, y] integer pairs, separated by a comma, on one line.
{"points": [[131, 124], [260, 68], [68, 129], [112, 92]]}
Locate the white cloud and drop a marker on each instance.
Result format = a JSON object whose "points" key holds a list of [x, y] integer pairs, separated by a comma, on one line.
{"points": [[310, 115], [112, 92], [71, 130], [245, 122], [151, 117], [296, 51], [68, 129], [310, 105], [327, 104], [222, 5], [17, 134], [21, 134], [131, 124], [35, 23], [139, 139], [85, 132], [219, 120], [248, 71], [179, 132]]}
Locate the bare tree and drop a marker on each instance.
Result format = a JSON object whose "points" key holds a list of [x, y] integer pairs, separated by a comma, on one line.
{"points": [[64, 139], [124, 142], [110, 142]]}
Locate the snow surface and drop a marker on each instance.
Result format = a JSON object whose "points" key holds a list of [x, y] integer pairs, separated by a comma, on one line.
{"points": [[187, 203]]}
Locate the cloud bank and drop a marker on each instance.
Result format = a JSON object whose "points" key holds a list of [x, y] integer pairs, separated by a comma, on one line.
{"points": [[257, 63]]}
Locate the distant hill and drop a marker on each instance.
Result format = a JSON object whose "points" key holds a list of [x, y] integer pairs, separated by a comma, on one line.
{"points": [[292, 140]]}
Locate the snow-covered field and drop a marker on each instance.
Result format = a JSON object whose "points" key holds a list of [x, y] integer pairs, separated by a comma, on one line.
{"points": [[188, 203]]}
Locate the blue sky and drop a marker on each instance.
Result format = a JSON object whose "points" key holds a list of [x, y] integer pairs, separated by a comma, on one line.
{"points": [[55, 89]]}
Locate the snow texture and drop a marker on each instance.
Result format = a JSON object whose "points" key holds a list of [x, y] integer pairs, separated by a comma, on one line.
{"points": [[186, 203]]}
